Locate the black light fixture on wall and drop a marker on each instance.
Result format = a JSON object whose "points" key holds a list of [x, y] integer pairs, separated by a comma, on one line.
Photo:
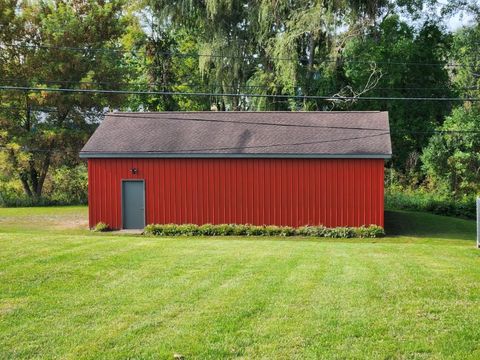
{"points": [[134, 171]]}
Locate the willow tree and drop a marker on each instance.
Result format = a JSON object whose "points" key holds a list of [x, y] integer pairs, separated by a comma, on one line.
{"points": [[268, 46], [225, 35]]}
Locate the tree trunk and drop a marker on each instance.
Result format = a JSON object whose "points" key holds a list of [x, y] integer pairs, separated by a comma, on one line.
{"points": [[26, 186], [33, 180], [33, 175], [43, 175]]}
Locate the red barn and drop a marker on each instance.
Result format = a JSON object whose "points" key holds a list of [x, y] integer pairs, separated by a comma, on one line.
{"points": [[282, 168]]}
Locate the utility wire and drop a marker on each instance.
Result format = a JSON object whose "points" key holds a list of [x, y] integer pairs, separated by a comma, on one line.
{"points": [[202, 150], [235, 122], [209, 94], [392, 131], [242, 122], [258, 146], [274, 145]]}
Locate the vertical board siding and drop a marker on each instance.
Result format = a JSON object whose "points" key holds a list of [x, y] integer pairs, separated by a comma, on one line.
{"points": [[294, 192]]}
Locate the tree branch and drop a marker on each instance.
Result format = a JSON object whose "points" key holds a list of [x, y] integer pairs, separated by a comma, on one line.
{"points": [[352, 94]]}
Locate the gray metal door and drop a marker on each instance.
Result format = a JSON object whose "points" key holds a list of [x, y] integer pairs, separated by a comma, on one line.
{"points": [[133, 204]]}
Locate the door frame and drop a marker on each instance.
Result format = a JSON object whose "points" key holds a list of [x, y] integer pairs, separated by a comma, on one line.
{"points": [[144, 204]]}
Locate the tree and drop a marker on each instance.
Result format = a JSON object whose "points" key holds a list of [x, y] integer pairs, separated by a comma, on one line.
{"points": [[413, 63], [270, 47], [452, 159], [225, 36], [156, 62], [465, 55], [54, 44]]}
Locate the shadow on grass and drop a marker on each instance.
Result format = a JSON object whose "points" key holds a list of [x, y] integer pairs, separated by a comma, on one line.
{"points": [[424, 225]]}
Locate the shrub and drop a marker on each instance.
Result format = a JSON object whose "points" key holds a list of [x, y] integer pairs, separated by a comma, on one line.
{"points": [[255, 230], [310, 230], [225, 229], [421, 201], [101, 227], [151, 229], [272, 230], [70, 185], [206, 230], [170, 230], [240, 230], [287, 231], [10, 191], [339, 232], [372, 231], [186, 229]]}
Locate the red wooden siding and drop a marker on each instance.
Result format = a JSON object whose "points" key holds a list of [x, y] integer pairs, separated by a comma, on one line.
{"points": [[295, 192]]}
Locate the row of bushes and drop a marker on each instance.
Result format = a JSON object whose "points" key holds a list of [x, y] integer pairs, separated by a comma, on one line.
{"points": [[419, 201], [372, 231]]}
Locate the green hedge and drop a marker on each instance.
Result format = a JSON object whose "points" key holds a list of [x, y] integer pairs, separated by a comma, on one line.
{"points": [[101, 227], [372, 231], [419, 201]]}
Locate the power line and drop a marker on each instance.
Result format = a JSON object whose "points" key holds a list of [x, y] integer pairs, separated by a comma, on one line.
{"points": [[275, 145], [209, 94], [199, 150], [392, 131], [87, 48], [235, 122], [258, 146]]}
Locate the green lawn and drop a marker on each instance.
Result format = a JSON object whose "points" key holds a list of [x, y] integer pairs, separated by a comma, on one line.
{"points": [[67, 293]]}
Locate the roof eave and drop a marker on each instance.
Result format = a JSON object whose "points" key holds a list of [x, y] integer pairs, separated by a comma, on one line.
{"points": [[129, 155]]}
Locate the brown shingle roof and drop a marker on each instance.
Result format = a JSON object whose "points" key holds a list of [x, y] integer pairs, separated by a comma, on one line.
{"points": [[241, 134]]}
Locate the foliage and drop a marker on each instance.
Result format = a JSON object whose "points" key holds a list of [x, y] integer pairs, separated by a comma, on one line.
{"points": [[10, 190], [101, 227], [311, 231], [63, 186], [397, 50], [70, 185], [464, 53], [40, 130], [21, 200], [452, 157], [372, 231], [254, 230], [272, 47], [451, 160], [430, 202], [324, 48]]}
